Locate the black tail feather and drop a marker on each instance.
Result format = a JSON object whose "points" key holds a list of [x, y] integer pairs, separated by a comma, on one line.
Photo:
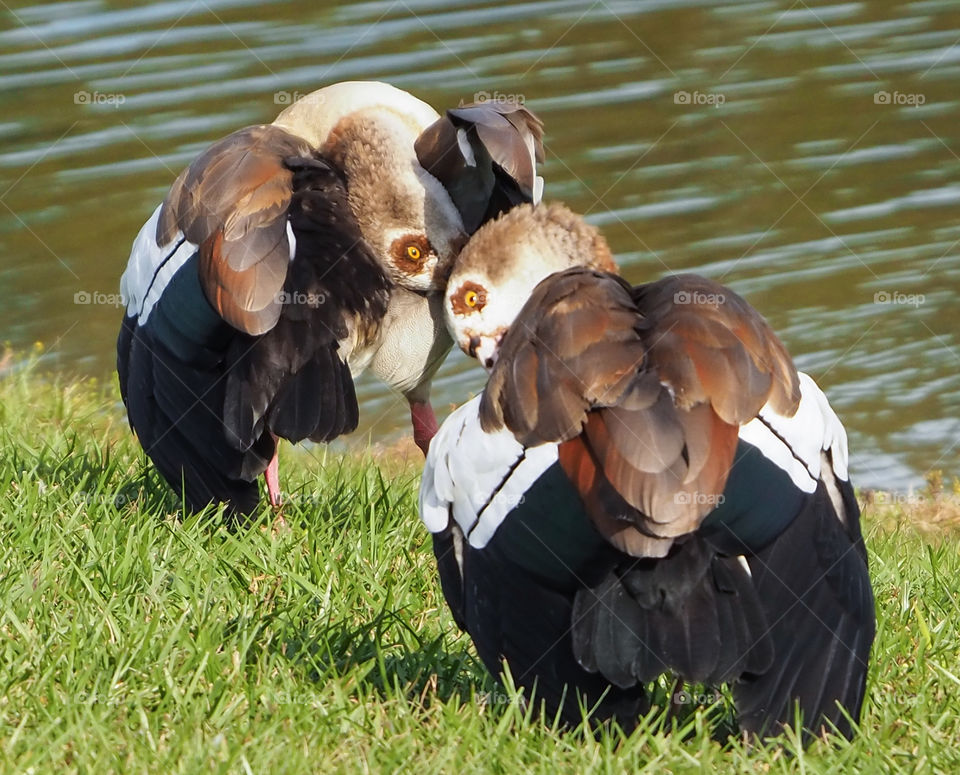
{"points": [[519, 618], [160, 404], [693, 613], [816, 593]]}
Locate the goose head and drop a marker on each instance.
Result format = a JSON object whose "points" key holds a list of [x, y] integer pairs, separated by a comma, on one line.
{"points": [[504, 261], [368, 131]]}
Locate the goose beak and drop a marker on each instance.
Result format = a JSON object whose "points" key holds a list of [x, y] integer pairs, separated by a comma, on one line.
{"points": [[485, 349]]}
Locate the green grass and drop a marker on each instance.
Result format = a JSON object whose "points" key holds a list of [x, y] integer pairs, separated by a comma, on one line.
{"points": [[133, 642]]}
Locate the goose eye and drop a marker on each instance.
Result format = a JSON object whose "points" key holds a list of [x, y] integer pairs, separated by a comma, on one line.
{"points": [[410, 253], [469, 297]]}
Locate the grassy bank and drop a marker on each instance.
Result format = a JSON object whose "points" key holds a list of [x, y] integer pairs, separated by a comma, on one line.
{"points": [[133, 642]]}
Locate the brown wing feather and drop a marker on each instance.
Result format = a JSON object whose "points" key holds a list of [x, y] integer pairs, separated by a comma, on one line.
{"points": [[247, 299], [645, 388], [709, 344], [506, 142], [613, 517], [232, 202]]}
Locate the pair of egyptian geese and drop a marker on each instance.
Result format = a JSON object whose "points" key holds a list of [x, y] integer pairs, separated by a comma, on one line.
{"points": [[646, 486]]}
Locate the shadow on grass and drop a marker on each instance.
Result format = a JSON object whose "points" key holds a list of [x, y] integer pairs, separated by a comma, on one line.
{"points": [[90, 475], [385, 657], [428, 671], [371, 654]]}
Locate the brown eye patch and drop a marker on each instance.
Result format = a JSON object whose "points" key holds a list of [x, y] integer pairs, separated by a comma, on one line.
{"points": [[468, 298], [410, 252]]}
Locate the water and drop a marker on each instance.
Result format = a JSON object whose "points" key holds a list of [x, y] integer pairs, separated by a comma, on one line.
{"points": [[806, 155]]}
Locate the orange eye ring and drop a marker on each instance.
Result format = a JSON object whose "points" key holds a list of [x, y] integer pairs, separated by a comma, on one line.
{"points": [[468, 298], [414, 253]]}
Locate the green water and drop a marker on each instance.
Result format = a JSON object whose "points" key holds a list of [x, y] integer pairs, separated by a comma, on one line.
{"points": [[807, 155]]}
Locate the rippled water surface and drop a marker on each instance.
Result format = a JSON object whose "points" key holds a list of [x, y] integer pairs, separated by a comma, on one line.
{"points": [[805, 154]]}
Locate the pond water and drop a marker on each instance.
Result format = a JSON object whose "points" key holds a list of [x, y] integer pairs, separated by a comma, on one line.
{"points": [[805, 154]]}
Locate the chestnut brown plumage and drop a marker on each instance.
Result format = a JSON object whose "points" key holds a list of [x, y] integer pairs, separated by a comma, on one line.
{"points": [[503, 142], [232, 202], [647, 394], [285, 260], [646, 387], [646, 486]]}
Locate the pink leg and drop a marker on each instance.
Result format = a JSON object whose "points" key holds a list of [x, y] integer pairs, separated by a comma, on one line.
{"points": [[424, 424], [272, 477]]}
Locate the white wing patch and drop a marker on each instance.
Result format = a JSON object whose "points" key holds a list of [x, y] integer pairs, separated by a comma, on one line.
{"points": [[796, 444], [537, 189], [291, 240], [151, 267], [465, 148], [475, 477]]}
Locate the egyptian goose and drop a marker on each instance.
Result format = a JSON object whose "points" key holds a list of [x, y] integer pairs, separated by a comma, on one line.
{"points": [[646, 486], [289, 257]]}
